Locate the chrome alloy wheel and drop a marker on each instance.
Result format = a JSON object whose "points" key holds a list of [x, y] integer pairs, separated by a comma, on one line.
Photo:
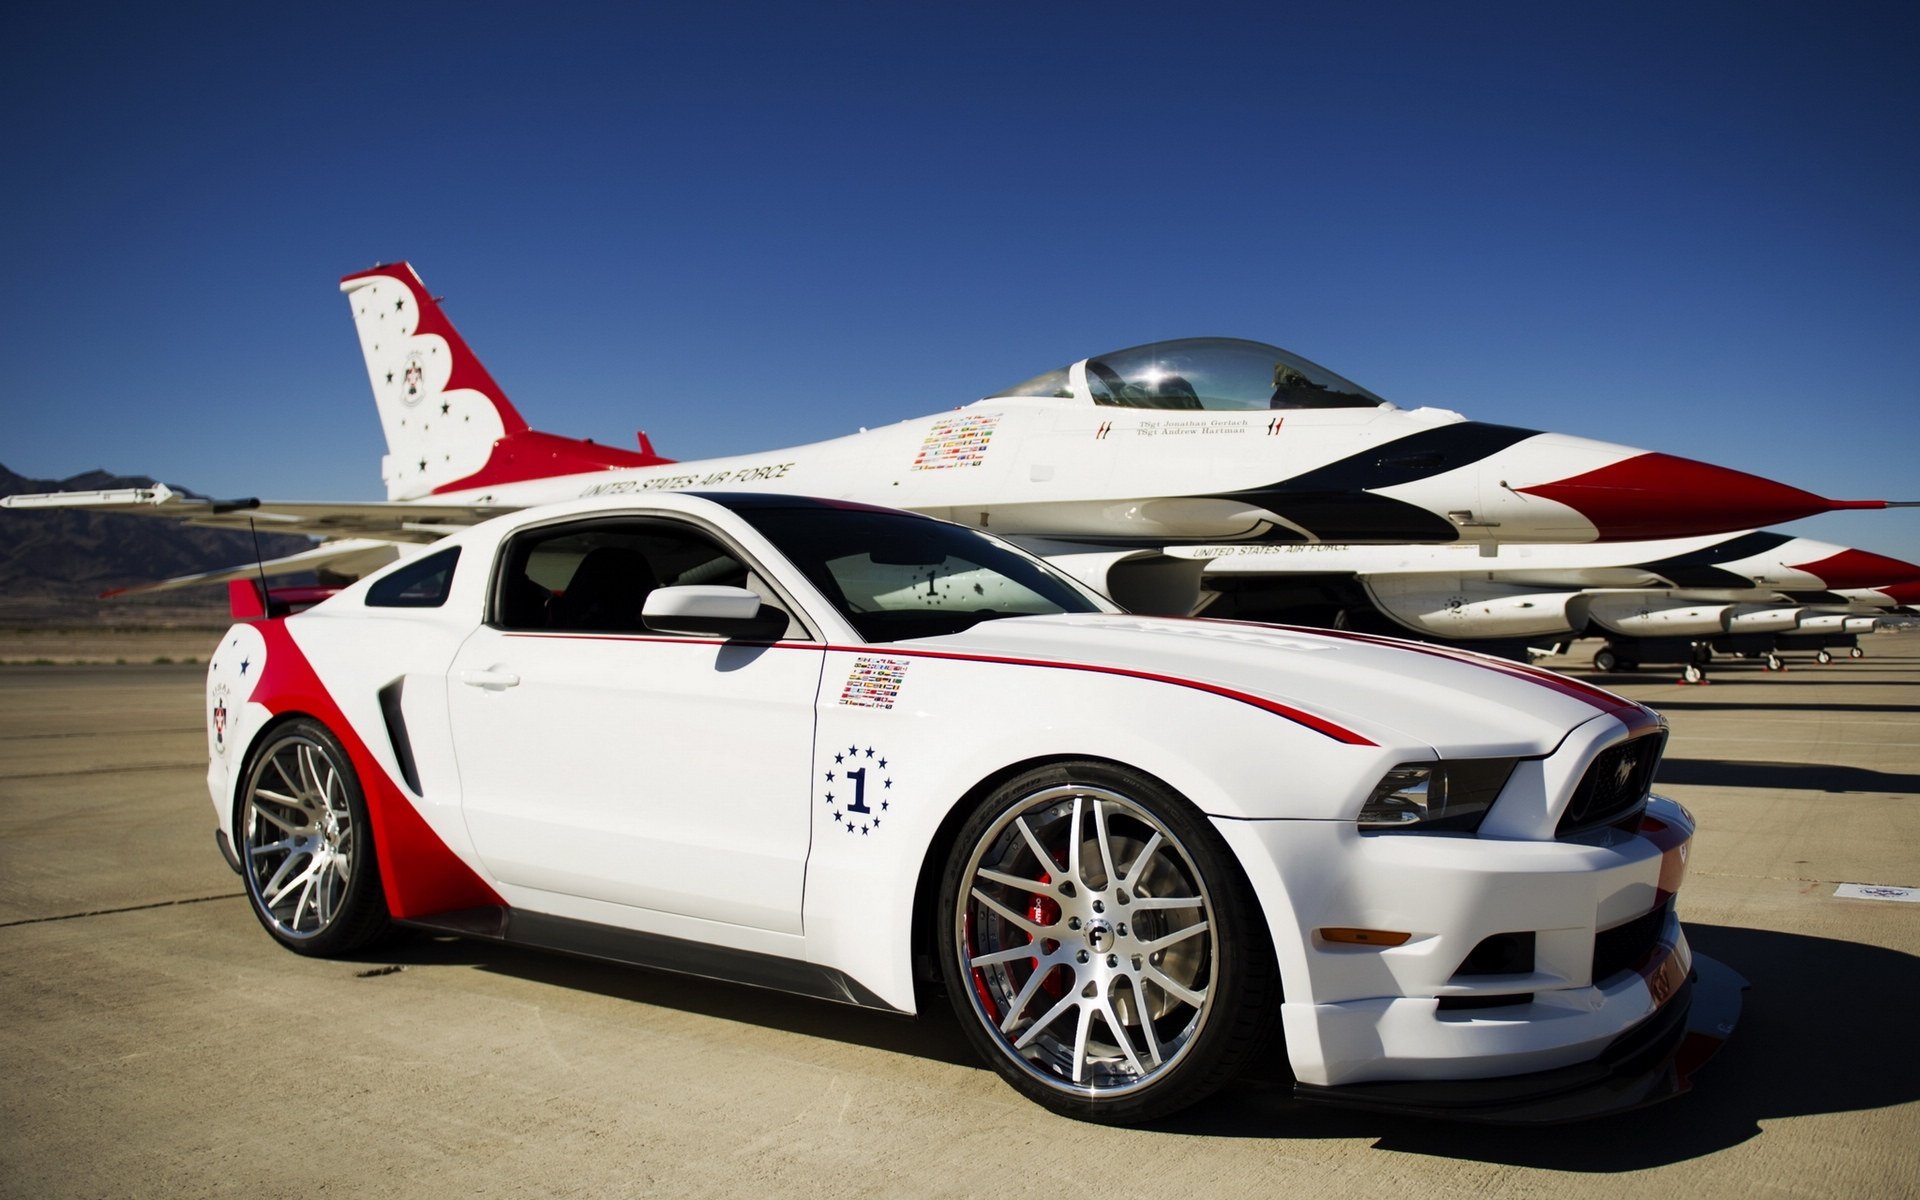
{"points": [[1089, 939], [298, 836]]}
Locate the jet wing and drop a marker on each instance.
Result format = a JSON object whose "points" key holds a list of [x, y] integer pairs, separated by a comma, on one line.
{"points": [[386, 521], [350, 557]]}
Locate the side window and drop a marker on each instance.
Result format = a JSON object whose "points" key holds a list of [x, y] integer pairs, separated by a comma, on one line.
{"points": [[422, 584], [595, 577]]}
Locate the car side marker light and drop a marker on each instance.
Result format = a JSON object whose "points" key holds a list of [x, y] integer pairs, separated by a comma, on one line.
{"points": [[1364, 937]]}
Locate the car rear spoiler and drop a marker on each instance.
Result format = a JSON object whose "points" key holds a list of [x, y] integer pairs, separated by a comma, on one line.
{"points": [[252, 600]]}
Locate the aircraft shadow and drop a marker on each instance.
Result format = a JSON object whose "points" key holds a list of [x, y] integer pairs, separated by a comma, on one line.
{"points": [[1812, 777], [1711, 706], [1735, 674], [1783, 1061]]}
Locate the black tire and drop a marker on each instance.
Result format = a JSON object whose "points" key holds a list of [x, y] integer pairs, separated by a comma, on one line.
{"points": [[1181, 995], [1823, 657], [305, 845], [1856, 652], [1604, 659]]}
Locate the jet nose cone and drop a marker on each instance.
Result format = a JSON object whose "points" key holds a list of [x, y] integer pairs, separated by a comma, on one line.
{"points": [[1863, 569], [1652, 496]]}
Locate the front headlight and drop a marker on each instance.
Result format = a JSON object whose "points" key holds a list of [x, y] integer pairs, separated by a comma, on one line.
{"points": [[1436, 796]]}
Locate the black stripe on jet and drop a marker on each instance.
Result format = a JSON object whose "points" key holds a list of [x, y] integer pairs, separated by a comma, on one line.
{"points": [[1700, 569], [1338, 501]]}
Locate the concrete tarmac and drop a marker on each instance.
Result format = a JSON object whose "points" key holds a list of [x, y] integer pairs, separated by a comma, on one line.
{"points": [[155, 1042]]}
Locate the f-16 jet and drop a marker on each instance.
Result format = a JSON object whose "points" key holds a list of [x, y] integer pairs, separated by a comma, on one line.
{"points": [[1104, 464]]}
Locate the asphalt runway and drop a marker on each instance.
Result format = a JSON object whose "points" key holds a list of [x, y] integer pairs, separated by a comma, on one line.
{"points": [[155, 1042]]}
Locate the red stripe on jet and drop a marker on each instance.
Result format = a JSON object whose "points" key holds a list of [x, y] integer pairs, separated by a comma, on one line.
{"points": [[1660, 496], [1860, 569]]}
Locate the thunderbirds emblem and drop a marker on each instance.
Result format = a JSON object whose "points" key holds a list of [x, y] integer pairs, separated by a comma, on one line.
{"points": [[220, 718], [414, 378]]}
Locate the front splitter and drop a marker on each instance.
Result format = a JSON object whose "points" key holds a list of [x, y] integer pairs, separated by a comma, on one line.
{"points": [[1652, 1062]]}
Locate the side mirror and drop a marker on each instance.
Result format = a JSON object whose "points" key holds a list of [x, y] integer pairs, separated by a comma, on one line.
{"points": [[703, 608]]}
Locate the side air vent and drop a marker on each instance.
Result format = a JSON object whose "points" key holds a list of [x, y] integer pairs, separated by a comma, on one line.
{"points": [[1614, 789], [397, 733]]}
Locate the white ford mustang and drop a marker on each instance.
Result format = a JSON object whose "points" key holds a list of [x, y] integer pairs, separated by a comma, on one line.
{"points": [[865, 755]]}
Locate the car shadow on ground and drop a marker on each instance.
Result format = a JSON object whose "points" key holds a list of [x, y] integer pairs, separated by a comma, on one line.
{"points": [[934, 1036], [1826, 1028]]}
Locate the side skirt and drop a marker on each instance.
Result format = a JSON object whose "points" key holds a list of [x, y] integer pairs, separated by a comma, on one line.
{"points": [[610, 943]]}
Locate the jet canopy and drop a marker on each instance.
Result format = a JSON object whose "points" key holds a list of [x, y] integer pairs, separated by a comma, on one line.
{"points": [[1202, 373]]}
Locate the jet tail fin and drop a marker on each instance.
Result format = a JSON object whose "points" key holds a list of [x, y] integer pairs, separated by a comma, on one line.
{"points": [[449, 426]]}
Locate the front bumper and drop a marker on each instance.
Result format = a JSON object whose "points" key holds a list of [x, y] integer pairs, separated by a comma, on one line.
{"points": [[1652, 1062], [1601, 956]]}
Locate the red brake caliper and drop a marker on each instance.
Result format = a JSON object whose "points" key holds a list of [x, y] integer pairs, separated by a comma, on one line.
{"points": [[1043, 911]]}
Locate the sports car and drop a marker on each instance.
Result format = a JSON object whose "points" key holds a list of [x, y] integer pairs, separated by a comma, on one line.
{"points": [[874, 757]]}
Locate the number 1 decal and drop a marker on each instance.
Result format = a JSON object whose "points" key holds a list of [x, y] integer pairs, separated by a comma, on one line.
{"points": [[843, 789], [859, 804]]}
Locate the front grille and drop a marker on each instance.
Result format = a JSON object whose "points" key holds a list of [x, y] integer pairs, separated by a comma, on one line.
{"points": [[1615, 786], [1626, 947]]}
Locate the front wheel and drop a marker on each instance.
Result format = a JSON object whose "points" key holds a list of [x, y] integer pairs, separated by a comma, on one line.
{"points": [[1100, 945], [1823, 657], [306, 848]]}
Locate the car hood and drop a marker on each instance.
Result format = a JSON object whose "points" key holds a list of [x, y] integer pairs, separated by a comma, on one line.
{"points": [[1387, 690]]}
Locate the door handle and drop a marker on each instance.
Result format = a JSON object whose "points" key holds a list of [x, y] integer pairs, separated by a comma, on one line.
{"points": [[493, 679]]}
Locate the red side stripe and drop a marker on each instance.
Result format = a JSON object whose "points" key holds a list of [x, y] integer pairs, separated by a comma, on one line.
{"points": [[1636, 716], [419, 874], [1318, 724]]}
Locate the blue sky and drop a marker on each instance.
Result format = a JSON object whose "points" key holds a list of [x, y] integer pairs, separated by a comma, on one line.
{"points": [[1686, 227]]}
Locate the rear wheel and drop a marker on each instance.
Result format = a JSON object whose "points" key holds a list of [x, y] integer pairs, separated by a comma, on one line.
{"points": [[306, 848], [1823, 657], [1100, 945], [1604, 659]]}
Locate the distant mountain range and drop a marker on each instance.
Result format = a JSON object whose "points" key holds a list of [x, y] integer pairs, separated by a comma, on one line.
{"points": [[77, 554]]}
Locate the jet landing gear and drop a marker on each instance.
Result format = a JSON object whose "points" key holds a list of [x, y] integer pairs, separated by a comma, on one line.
{"points": [[1691, 657]]}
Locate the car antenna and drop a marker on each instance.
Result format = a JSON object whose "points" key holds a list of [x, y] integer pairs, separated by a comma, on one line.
{"points": [[259, 563]]}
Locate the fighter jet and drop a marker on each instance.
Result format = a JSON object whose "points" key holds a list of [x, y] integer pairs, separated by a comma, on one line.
{"points": [[1104, 463]]}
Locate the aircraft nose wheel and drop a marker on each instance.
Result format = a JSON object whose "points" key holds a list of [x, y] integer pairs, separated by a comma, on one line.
{"points": [[1693, 674]]}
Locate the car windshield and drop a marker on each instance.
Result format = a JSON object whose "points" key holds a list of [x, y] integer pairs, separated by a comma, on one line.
{"points": [[1203, 373], [896, 576]]}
